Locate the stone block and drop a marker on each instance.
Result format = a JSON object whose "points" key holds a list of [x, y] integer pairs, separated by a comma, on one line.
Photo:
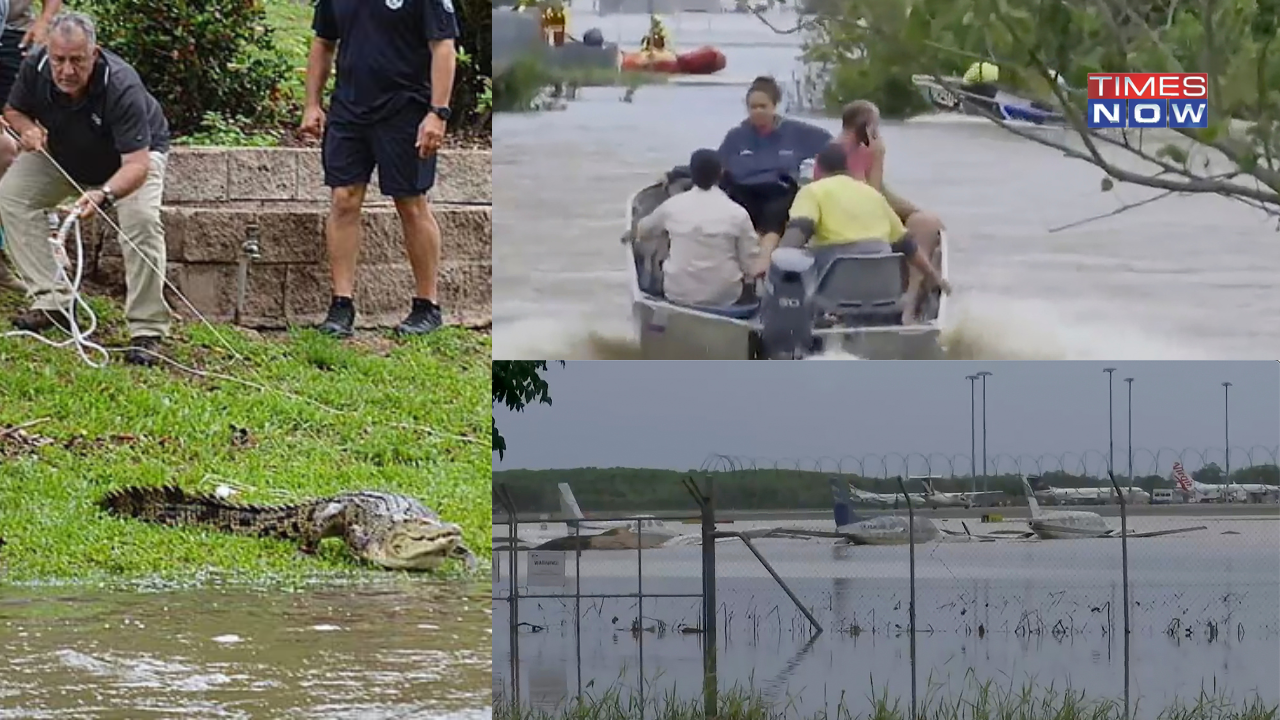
{"points": [[211, 289], [463, 176], [262, 174], [466, 233], [466, 289], [197, 175], [217, 235]]}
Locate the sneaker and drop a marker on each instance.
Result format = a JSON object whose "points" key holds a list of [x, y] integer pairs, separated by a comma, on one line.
{"points": [[341, 318], [9, 281], [143, 351], [40, 320], [423, 318]]}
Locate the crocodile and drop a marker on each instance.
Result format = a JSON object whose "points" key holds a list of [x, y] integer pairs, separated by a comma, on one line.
{"points": [[391, 531]]}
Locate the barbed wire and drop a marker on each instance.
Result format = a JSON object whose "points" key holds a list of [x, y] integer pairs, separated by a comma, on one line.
{"points": [[1085, 464]]}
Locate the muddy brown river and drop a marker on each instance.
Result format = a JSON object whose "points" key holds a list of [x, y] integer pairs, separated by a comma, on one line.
{"points": [[395, 650]]}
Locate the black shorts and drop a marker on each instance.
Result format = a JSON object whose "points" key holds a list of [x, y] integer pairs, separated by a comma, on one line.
{"points": [[351, 150], [768, 205], [10, 60]]}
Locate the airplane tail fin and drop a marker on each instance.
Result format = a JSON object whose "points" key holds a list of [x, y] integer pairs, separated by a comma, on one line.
{"points": [[1031, 498], [842, 503], [1180, 477], [568, 504]]}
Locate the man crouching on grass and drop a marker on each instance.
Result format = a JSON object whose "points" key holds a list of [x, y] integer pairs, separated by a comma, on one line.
{"points": [[88, 110], [396, 62]]}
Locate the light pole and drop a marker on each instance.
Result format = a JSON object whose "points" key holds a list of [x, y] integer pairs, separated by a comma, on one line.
{"points": [[1111, 435], [1226, 426], [984, 375], [973, 434], [1129, 382]]}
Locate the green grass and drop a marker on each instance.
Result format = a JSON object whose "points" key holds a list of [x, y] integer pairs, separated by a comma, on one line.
{"points": [[372, 413], [979, 701]]}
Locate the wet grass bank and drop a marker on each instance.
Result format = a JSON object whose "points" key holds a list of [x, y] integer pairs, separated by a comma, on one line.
{"points": [[978, 701], [276, 417]]}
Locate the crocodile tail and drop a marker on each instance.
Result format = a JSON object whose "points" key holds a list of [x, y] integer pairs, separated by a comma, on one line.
{"points": [[173, 506]]}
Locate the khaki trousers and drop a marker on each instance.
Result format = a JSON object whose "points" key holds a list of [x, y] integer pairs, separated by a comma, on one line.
{"points": [[33, 186]]}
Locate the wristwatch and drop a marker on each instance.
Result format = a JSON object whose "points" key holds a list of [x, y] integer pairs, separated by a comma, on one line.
{"points": [[108, 196], [443, 112]]}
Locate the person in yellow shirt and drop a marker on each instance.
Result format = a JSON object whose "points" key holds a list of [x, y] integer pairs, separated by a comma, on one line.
{"points": [[838, 210]]}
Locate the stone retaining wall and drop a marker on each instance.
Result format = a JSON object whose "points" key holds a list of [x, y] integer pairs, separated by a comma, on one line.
{"points": [[214, 195]]}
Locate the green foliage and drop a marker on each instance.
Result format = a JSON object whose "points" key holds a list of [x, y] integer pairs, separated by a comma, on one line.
{"points": [[472, 92], [516, 383], [200, 57], [870, 48], [218, 131]]}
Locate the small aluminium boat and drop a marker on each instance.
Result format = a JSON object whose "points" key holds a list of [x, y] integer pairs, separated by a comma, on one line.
{"points": [[843, 298]]}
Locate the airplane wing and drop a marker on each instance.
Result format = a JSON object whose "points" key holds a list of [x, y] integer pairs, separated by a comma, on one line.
{"points": [[1158, 533], [997, 535]]}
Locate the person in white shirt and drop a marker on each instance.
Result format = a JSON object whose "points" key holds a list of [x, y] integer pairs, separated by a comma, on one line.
{"points": [[713, 243]]}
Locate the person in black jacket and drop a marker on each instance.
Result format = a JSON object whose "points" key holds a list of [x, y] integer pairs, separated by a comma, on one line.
{"points": [[396, 61]]}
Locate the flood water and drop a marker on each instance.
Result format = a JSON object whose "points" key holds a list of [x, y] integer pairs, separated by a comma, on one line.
{"points": [[370, 652], [1203, 614], [1180, 278]]}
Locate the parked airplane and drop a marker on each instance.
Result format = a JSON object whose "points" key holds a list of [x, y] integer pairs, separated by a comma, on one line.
{"points": [[1068, 524], [878, 530], [1196, 491], [877, 499], [642, 523], [936, 498], [1063, 496]]}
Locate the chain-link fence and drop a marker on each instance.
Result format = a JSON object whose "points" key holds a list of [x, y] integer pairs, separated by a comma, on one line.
{"points": [[906, 577]]}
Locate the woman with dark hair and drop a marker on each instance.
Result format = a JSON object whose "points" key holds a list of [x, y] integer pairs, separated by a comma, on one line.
{"points": [[762, 158]]}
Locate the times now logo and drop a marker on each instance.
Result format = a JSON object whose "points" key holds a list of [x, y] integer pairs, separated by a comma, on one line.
{"points": [[1148, 100]]}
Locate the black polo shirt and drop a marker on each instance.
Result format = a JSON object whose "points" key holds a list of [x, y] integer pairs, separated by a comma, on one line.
{"points": [[384, 60], [87, 137]]}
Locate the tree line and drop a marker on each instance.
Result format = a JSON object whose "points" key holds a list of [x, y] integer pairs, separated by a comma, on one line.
{"points": [[633, 489]]}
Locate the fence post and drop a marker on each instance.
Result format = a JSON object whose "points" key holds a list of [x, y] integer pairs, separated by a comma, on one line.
{"points": [[513, 597], [1124, 575], [911, 606], [710, 683]]}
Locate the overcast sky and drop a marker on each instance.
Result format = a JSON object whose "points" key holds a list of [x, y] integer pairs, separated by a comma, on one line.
{"points": [[665, 414]]}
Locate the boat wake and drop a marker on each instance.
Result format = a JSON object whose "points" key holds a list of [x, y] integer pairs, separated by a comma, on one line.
{"points": [[979, 328]]}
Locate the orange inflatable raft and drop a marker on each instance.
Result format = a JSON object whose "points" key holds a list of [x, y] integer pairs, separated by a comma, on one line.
{"points": [[703, 61]]}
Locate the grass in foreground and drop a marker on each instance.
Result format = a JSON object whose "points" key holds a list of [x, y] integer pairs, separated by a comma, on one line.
{"points": [[979, 701], [374, 413]]}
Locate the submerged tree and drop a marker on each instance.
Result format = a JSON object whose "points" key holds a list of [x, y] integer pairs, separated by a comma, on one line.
{"points": [[516, 383], [871, 48]]}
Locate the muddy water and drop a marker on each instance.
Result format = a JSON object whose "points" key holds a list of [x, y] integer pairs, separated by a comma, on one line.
{"points": [[397, 651]]}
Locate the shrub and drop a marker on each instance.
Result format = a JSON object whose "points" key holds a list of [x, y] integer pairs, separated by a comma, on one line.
{"points": [[472, 88], [200, 57]]}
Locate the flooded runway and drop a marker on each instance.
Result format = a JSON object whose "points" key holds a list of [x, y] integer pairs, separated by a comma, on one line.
{"points": [[1203, 611], [402, 651], [1181, 278]]}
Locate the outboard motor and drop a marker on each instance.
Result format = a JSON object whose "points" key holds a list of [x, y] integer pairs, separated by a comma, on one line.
{"points": [[593, 38], [786, 315]]}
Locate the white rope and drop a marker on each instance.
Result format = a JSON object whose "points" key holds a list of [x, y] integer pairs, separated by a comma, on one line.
{"points": [[59, 229], [124, 238]]}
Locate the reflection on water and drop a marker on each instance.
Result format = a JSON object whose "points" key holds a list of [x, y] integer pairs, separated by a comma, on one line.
{"points": [[397, 651], [1204, 612], [1182, 278]]}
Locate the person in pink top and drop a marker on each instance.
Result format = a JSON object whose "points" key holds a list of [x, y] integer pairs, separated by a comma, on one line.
{"points": [[860, 136]]}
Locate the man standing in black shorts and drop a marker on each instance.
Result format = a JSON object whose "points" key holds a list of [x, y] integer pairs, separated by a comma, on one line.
{"points": [[21, 30], [396, 62]]}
